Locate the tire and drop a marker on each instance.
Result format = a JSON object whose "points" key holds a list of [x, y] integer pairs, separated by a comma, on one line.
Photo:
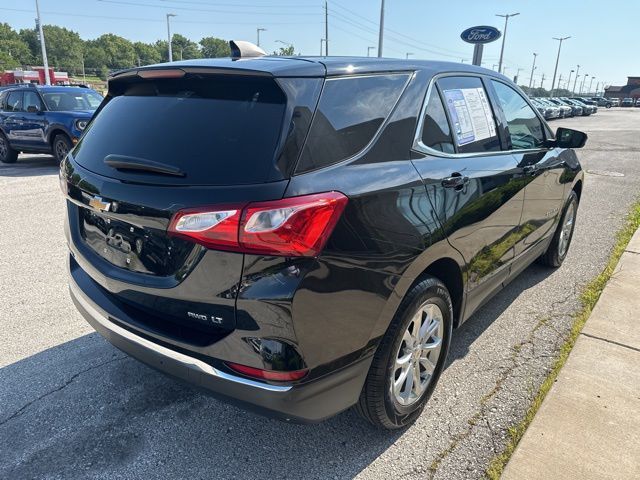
{"points": [[428, 301], [559, 246], [7, 154], [61, 146]]}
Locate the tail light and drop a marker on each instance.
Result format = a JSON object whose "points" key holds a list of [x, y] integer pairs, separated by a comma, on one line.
{"points": [[295, 226], [276, 376]]}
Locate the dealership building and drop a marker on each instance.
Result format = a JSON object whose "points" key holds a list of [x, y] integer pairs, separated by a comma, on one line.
{"points": [[630, 90]]}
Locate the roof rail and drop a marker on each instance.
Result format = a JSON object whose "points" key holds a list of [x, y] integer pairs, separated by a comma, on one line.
{"points": [[30, 85], [242, 49]]}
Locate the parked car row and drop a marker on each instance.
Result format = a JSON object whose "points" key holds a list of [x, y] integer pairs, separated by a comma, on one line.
{"points": [[562, 107], [630, 102]]}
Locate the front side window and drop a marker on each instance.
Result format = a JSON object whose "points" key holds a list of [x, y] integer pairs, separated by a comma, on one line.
{"points": [[472, 119], [14, 102], [436, 133], [350, 113], [525, 128], [32, 99]]}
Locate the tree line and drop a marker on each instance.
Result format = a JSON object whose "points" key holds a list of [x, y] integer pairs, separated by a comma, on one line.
{"points": [[66, 51]]}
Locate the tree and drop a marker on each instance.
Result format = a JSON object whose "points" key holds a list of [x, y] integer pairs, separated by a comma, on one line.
{"points": [[14, 51], [183, 48], [147, 53], [213, 47], [117, 52], [64, 47], [285, 51]]}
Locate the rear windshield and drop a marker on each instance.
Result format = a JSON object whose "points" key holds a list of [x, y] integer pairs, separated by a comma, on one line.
{"points": [[216, 130]]}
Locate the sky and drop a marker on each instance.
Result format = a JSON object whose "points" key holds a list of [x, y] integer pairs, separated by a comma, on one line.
{"points": [[602, 40]]}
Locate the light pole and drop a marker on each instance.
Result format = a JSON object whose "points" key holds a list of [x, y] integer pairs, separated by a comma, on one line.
{"points": [[555, 71], [169, 15], [584, 77], [591, 83], [45, 62], [381, 32], [569, 81], [322, 40], [504, 71], [258, 30], [517, 75], [576, 80], [406, 55], [533, 67], [369, 50], [494, 66], [504, 37]]}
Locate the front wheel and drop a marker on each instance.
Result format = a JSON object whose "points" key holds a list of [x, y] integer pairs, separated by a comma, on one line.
{"points": [[410, 358], [559, 247], [61, 146], [7, 154]]}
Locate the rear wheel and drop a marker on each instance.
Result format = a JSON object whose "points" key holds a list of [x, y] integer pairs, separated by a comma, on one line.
{"points": [[7, 154], [410, 358], [61, 146], [559, 247]]}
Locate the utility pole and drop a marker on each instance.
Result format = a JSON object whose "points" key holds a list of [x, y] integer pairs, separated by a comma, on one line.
{"points": [[47, 78], [322, 40], [381, 32], [533, 67], [542, 81], [406, 56], [84, 77], [553, 82], [169, 15], [576, 80], [591, 84], [258, 30], [504, 37], [326, 29], [369, 50]]}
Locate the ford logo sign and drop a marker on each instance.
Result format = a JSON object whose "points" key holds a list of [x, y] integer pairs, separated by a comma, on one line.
{"points": [[481, 34]]}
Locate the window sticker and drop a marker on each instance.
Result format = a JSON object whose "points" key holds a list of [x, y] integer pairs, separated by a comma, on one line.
{"points": [[471, 114]]}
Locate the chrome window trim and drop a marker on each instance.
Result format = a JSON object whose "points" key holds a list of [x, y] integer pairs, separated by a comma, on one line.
{"points": [[185, 360], [418, 146]]}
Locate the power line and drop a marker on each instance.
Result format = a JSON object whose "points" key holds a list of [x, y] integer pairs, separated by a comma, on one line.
{"points": [[208, 10]]}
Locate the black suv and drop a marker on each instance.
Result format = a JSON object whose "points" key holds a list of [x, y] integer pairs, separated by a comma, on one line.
{"points": [[302, 235]]}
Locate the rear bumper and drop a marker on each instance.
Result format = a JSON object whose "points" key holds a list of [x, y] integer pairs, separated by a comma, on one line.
{"points": [[310, 402]]}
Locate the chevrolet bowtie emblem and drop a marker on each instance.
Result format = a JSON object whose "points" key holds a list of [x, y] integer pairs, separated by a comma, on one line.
{"points": [[98, 204]]}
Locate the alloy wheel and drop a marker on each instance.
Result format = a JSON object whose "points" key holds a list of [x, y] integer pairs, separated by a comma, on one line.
{"points": [[567, 229], [417, 355]]}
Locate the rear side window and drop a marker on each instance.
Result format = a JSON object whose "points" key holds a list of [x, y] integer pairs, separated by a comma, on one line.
{"points": [[14, 101], [350, 112], [472, 119], [436, 133], [218, 130], [525, 128]]}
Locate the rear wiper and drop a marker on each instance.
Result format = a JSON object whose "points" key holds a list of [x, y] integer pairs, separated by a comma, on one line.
{"points": [[124, 162]]}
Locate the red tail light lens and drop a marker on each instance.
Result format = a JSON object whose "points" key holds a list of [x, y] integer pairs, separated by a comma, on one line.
{"points": [[272, 375], [295, 226]]}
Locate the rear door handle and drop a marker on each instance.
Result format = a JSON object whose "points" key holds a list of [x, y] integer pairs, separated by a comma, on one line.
{"points": [[456, 181]]}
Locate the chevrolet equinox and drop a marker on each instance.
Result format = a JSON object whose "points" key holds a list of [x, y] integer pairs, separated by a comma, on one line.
{"points": [[303, 235]]}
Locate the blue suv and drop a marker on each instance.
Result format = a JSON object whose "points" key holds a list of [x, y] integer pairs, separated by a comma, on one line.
{"points": [[43, 119]]}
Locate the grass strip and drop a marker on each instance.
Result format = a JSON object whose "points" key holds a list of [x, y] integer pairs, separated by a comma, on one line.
{"points": [[588, 299]]}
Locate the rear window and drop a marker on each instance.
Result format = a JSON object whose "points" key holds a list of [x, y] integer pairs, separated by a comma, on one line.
{"points": [[72, 100], [350, 112], [217, 130]]}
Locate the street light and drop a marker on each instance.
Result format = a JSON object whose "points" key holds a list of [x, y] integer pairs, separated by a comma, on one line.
{"points": [[406, 55], [43, 47], [591, 83], [555, 71], [369, 50], [504, 37], [169, 15], [533, 67], [576, 80], [258, 30], [322, 40], [569, 81], [517, 76], [584, 78]]}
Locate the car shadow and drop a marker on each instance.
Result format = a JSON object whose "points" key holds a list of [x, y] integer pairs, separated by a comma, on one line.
{"points": [[85, 409], [30, 166]]}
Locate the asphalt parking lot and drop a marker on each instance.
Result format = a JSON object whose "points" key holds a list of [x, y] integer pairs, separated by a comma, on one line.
{"points": [[72, 406]]}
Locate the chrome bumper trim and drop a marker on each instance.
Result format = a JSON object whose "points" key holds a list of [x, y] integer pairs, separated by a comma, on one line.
{"points": [[193, 363]]}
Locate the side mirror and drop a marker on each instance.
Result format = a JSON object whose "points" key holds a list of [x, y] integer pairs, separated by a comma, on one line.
{"points": [[568, 138], [32, 109]]}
